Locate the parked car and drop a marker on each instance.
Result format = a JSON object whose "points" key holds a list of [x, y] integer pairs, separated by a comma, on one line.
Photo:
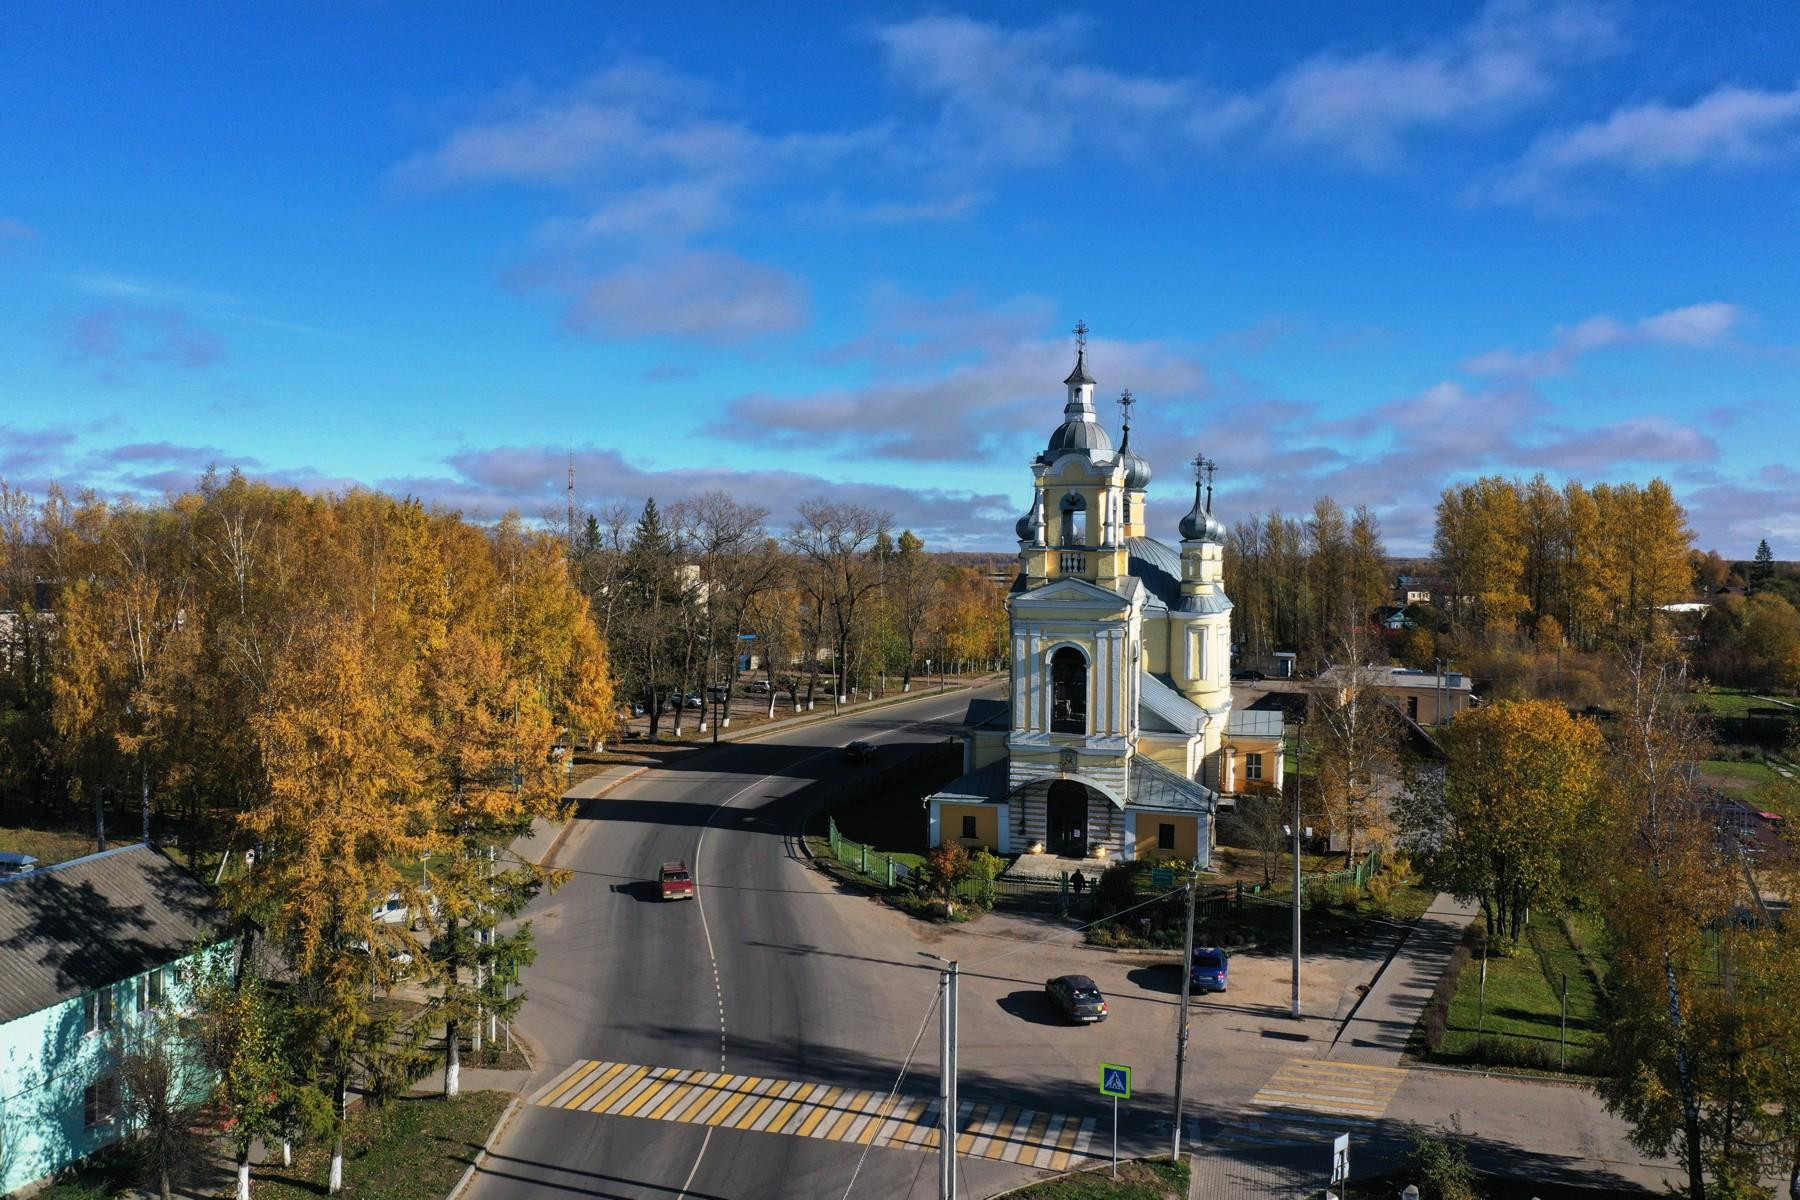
{"points": [[1210, 969], [1078, 997], [694, 700], [1249, 676], [859, 752], [637, 709], [719, 691], [758, 687], [677, 881]]}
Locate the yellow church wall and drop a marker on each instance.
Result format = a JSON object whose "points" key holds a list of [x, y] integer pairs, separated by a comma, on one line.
{"points": [[1187, 836], [1156, 645], [987, 746], [987, 825]]}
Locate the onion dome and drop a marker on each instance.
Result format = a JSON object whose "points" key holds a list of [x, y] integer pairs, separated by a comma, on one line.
{"points": [[1200, 525], [1024, 527], [1137, 470]]}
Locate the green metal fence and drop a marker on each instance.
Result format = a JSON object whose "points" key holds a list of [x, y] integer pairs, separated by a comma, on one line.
{"points": [[865, 860]]}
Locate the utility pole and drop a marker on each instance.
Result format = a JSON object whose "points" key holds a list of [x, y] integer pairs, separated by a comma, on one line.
{"points": [[947, 1091], [1295, 830], [1181, 1031]]}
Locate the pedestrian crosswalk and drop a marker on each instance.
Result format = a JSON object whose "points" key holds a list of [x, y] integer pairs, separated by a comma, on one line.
{"points": [[1338, 1089], [1305, 1103], [1009, 1133]]}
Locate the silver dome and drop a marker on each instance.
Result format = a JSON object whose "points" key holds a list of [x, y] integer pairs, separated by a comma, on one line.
{"points": [[1200, 525]]}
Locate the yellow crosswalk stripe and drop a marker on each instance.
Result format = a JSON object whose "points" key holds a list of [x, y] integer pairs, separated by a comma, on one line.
{"points": [[794, 1108], [821, 1110], [965, 1141], [1065, 1145], [605, 1080], [568, 1079]]}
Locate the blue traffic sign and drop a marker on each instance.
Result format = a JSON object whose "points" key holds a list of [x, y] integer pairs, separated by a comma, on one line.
{"points": [[1115, 1080]]}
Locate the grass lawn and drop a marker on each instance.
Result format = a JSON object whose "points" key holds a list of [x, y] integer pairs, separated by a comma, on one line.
{"points": [[1738, 775], [1727, 702], [412, 1149], [1152, 1179], [1520, 1026], [50, 845]]}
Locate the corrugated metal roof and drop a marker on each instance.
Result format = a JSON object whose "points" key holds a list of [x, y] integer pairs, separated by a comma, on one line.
{"points": [[985, 786], [983, 713], [1162, 709], [68, 929], [1158, 566], [1155, 786]]}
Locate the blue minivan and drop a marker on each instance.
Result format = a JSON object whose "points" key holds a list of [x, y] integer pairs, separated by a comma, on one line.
{"points": [[1211, 969]]}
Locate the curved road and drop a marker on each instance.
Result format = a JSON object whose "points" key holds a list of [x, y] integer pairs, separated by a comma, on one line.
{"points": [[773, 973]]}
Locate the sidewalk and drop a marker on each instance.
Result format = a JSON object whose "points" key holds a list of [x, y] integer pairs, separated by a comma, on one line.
{"points": [[1377, 1030]]}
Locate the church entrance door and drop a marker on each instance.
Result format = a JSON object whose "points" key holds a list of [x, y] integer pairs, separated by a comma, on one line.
{"points": [[1066, 823]]}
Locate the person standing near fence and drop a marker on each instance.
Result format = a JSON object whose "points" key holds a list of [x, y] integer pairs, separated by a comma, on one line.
{"points": [[1079, 882]]}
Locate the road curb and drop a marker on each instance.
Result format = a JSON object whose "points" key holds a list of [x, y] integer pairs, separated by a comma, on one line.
{"points": [[1413, 1064], [492, 1137]]}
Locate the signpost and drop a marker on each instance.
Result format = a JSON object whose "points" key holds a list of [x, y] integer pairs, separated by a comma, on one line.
{"points": [[1340, 1159], [1115, 1081]]}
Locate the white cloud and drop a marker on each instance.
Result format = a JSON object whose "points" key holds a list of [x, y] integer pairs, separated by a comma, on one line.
{"points": [[1028, 98], [1729, 126], [1696, 326], [710, 295]]}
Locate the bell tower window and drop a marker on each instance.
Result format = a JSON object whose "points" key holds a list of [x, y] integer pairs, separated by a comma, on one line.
{"points": [[1074, 520], [1068, 691]]}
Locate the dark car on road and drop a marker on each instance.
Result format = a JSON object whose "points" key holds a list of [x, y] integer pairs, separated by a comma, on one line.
{"points": [[1078, 997], [1210, 970], [859, 752]]}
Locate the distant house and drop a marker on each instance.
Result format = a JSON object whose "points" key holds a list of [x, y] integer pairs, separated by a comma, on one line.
{"points": [[1425, 697], [88, 949]]}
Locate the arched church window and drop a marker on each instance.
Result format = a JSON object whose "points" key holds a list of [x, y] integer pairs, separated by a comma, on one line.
{"points": [[1068, 691], [1074, 520]]}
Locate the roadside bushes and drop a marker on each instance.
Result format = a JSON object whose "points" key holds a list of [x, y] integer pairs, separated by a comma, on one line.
{"points": [[1435, 1021], [1439, 1166]]}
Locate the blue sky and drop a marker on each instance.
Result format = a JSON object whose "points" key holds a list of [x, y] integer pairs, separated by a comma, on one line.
{"points": [[1362, 250]]}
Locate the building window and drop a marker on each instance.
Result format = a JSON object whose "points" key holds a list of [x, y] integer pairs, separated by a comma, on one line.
{"points": [[159, 986], [1412, 707], [1165, 836], [1252, 766], [1068, 691], [100, 1101], [969, 827], [99, 1010]]}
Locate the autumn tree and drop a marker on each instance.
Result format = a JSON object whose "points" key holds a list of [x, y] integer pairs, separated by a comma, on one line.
{"points": [[1512, 807], [1355, 734], [1665, 890]]}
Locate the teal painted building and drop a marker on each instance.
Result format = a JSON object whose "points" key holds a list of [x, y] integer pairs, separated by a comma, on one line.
{"points": [[91, 951]]}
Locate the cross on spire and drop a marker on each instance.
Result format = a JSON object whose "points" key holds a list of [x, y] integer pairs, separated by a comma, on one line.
{"points": [[1204, 470], [1126, 400], [1081, 332]]}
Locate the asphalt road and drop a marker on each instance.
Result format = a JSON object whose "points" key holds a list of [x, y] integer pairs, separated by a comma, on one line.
{"points": [[772, 972]]}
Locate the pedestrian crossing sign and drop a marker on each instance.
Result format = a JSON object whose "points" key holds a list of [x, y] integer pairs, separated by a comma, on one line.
{"points": [[1115, 1081]]}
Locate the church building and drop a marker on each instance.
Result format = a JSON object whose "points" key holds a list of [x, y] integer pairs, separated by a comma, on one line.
{"points": [[1118, 738]]}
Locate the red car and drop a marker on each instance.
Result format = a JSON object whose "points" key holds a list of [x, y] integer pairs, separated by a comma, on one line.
{"points": [[677, 881]]}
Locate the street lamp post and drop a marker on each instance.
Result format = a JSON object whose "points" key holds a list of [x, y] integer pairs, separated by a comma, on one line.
{"points": [[1181, 1033], [948, 1101]]}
